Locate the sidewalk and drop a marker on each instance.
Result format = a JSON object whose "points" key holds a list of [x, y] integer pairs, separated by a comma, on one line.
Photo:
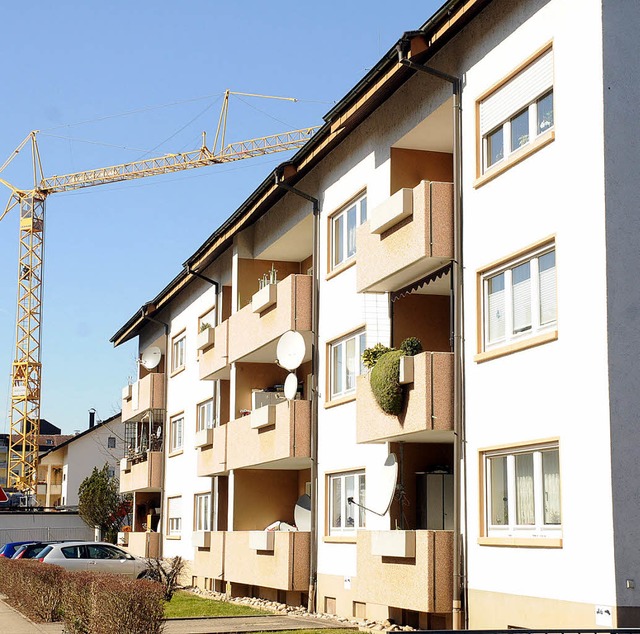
{"points": [[12, 621]]}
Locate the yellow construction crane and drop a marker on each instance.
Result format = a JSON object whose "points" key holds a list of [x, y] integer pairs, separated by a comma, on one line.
{"points": [[26, 372]]}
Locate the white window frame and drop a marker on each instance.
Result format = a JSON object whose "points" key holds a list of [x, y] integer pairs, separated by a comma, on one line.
{"points": [[206, 415], [202, 511], [349, 517], [340, 251], [339, 363], [176, 435], [511, 334], [178, 352], [174, 516], [511, 527]]}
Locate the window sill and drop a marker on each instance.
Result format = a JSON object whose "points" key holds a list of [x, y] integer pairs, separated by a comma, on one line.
{"points": [[340, 401], [334, 539], [177, 452], [515, 157], [503, 351], [176, 537], [521, 542], [177, 371], [340, 268]]}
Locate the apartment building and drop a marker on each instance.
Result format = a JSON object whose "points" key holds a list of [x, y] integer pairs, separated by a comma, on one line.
{"points": [[454, 195]]}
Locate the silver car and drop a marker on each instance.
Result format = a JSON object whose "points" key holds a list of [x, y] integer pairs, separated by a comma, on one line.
{"points": [[96, 557]]}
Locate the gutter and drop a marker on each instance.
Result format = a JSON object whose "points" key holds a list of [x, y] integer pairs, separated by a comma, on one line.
{"points": [[459, 614]]}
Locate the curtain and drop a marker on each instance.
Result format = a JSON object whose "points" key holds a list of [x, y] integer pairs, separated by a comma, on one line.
{"points": [[525, 509], [551, 486], [521, 280], [495, 301], [499, 499]]}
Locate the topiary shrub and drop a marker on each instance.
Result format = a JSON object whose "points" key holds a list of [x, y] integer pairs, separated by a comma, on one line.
{"points": [[411, 346], [371, 355], [384, 382]]}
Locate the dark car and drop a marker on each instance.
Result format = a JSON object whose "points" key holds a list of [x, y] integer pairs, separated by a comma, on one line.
{"points": [[9, 549], [30, 550]]}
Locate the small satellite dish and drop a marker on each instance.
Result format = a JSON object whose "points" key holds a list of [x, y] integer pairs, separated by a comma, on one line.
{"points": [[302, 513], [291, 386], [383, 485], [151, 357], [291, 350], [159, 431]]}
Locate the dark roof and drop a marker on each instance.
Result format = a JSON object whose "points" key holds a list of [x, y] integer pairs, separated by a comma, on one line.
{"points": [[363, 99]]}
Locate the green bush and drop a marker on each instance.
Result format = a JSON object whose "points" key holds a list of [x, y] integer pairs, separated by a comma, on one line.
{"points": [[371, 355], [411, 346], [384, 382]]}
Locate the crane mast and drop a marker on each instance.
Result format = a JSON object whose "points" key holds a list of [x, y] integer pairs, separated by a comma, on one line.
{"points": [[26, 374]]}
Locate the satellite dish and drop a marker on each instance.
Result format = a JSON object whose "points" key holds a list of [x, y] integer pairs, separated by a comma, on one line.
{"points": [[291, 350], [383, 485], [302, 513], [151, 357], [159, 431], [291, 386]]}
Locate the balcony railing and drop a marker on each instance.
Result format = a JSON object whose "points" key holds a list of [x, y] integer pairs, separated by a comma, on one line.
{"points": [[428, 404], [144, 395], [209, 562], [212, 458], [213, 363], [142, 473], [418, 578], [284, 438], [144, 544], [407, 236]]}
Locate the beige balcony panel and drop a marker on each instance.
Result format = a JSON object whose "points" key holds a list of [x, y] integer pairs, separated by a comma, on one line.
{"points": [[144, 544], [285, 444], [206, 338], [406, 250], [213, 363], [428, 414], [392, 211], [249, 332], [142, 476], [422, 583], [146, 394], [203, 438], [286, 567], [210, 562], [213, 460]]}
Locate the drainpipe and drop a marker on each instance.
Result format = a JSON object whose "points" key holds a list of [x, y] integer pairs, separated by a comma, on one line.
{"points": [[459, 546], [165, 325], [315, 358]]}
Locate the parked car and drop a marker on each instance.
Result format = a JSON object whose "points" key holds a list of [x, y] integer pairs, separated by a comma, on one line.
{"points": [[30, 550], [94, 557], [10, 548]]}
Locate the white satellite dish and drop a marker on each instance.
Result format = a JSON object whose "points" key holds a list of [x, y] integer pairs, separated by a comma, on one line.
{"points": [[291, 386], [302, 513], [381, 485], [291, 350], [151, 357]]}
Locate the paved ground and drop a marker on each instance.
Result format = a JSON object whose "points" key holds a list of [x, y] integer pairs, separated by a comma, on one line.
{"points": [[11, 621]]}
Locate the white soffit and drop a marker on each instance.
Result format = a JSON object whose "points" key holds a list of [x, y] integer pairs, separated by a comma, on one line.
{"points": [[435, 133]]}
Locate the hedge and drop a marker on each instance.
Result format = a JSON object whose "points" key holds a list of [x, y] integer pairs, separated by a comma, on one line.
{"points": [[384, 382]]}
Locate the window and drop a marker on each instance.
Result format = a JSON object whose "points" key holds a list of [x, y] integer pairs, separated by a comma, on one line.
{"points": [[174, 516], [206, 415], [522, 495], [346, 363], [518, 112], [343, 230], [111, 442], [519, 298], [177, 429], [346, 492], [177, 352], [202, 507]]}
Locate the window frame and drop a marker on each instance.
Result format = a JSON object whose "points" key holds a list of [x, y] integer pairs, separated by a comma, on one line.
{"points": [[174, 518], [360, 514], [359, 203], [178, 352], [202, 512], [111, 442], [360, 338], [512, 528], [214, 418], [174, 447], [510, 339]]}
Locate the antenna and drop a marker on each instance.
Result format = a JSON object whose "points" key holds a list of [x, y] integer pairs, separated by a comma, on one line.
{"points": [[291, 386], [151, 357], [302, 513], [382, 488], [291, 350]]}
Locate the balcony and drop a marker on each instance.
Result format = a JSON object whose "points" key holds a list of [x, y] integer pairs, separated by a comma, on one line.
{"points": [[286, 567], [145, 394], [418, 578], [407, 236], [284, 442], [209, 563], [428, 413], [144, 544], [213, 363], [141, 473], [253, 335], [213, 460]]}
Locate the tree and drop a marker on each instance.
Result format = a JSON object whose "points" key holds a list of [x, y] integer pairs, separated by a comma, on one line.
{"points": [[100, 503]]}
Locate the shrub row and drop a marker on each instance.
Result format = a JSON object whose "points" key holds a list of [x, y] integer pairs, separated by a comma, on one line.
{"points": [[86, 602]]}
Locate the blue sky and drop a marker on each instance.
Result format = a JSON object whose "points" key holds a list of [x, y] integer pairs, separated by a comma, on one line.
{"points": [[72, 69]]}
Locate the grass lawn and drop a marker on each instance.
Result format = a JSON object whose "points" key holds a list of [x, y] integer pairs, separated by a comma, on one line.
{"points": [[186, 604]]}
